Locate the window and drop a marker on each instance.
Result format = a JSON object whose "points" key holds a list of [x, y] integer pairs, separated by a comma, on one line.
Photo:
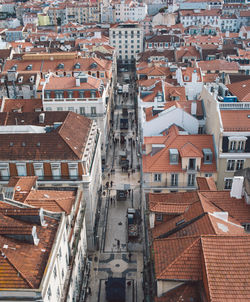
{"points": [[208, 174], [58, 294], [59, 108], [230, 165], [81, 94], [59, 94], [38, 169], [191, 179], [21, 169], [192, 162], [241, 146], [228, 183], [239, 164], [4, 171], [82, 110], [73, 170], [232, 146], [47, 94], [49, 293], [70, 94], [174, 180], [149, 45], [157, 177], [48, 109], [173, 153], [55, 272], [102, 75], [56, 170], [93, 111], [158, 217]]}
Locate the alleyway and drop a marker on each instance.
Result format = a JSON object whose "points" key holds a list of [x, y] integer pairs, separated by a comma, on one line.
{"points": [[118, 256]]}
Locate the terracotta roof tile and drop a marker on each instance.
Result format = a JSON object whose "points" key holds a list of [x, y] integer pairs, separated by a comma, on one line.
{"points": [[182, 262], [160, 162], [63, 142], [22, 105], [206, 184], [235, 120], [241, 90], [227, 266], [221, 65], [17, 271], [55, 201]]}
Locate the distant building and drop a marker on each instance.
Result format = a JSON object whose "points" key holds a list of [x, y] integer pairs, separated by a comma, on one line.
{"points": [[127, 38]]}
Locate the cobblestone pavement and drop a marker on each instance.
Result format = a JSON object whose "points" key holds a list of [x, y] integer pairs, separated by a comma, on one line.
{"points": [[112, 260]]}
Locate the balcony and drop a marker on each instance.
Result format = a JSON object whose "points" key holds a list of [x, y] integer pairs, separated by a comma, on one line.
{"points": [[69, 100]]}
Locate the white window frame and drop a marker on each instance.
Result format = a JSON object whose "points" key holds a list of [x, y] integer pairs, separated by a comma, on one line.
{"points": [[56, 170], [174, 180], [4, 170], [73, 170], [230, 180], [157, 177], [230, 165], [38, 169], [19, 167], [191, 180]]}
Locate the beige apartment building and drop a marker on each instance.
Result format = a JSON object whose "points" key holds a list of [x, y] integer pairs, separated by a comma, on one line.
{"points": [[228, 120], [127, 38], [172, 162]]}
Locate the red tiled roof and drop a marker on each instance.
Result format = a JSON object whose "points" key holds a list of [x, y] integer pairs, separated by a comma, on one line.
{"points": [[17, 269], [206, 184], [55, 201], [227, 266], [24, 105], [241, 90], [221, 65], [182, 260], [160, 162], [235, 120], [61, 143]]}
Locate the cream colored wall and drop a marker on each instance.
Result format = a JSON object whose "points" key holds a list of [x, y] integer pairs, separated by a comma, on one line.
{"points": [[165, 184], [165, 286], [213, 125], [223, 173]]}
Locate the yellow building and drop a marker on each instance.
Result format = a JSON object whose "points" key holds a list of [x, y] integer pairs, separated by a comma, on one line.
{"points": [[43, 20]]}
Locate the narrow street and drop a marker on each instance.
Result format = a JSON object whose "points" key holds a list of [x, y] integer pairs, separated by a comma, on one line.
{"points": [[118, 255]]}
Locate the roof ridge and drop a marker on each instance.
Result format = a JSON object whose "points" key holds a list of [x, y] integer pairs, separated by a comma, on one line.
{"points": [[181, 254], [18, 271]]}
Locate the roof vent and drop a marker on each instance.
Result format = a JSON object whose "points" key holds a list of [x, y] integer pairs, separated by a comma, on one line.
{"points": [[23, 144], [11, 144], [38, 144]]}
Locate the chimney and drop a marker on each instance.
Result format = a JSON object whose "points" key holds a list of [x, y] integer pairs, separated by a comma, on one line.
{"points": [[41, 118], [237, 187], [77, 82], [193, 108]]}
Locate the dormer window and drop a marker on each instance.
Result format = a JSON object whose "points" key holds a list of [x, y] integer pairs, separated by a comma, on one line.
{"points": [[186, 78], [93, 65], [60, 66], [174, 156], [208, 156], [237, 144], [77, 66], [29, 67]]}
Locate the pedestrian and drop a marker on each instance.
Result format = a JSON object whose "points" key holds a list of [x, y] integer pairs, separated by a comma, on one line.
{"points": [[111, 200], [108, 175], [129, 192], [118, 244], [103, 193], [111, 183], [128, 174], [107, 184], [129, 256], [89, 291]]}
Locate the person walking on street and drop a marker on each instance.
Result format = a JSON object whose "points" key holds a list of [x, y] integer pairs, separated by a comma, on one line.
{"points": [[111, 183], [128, 174]]}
